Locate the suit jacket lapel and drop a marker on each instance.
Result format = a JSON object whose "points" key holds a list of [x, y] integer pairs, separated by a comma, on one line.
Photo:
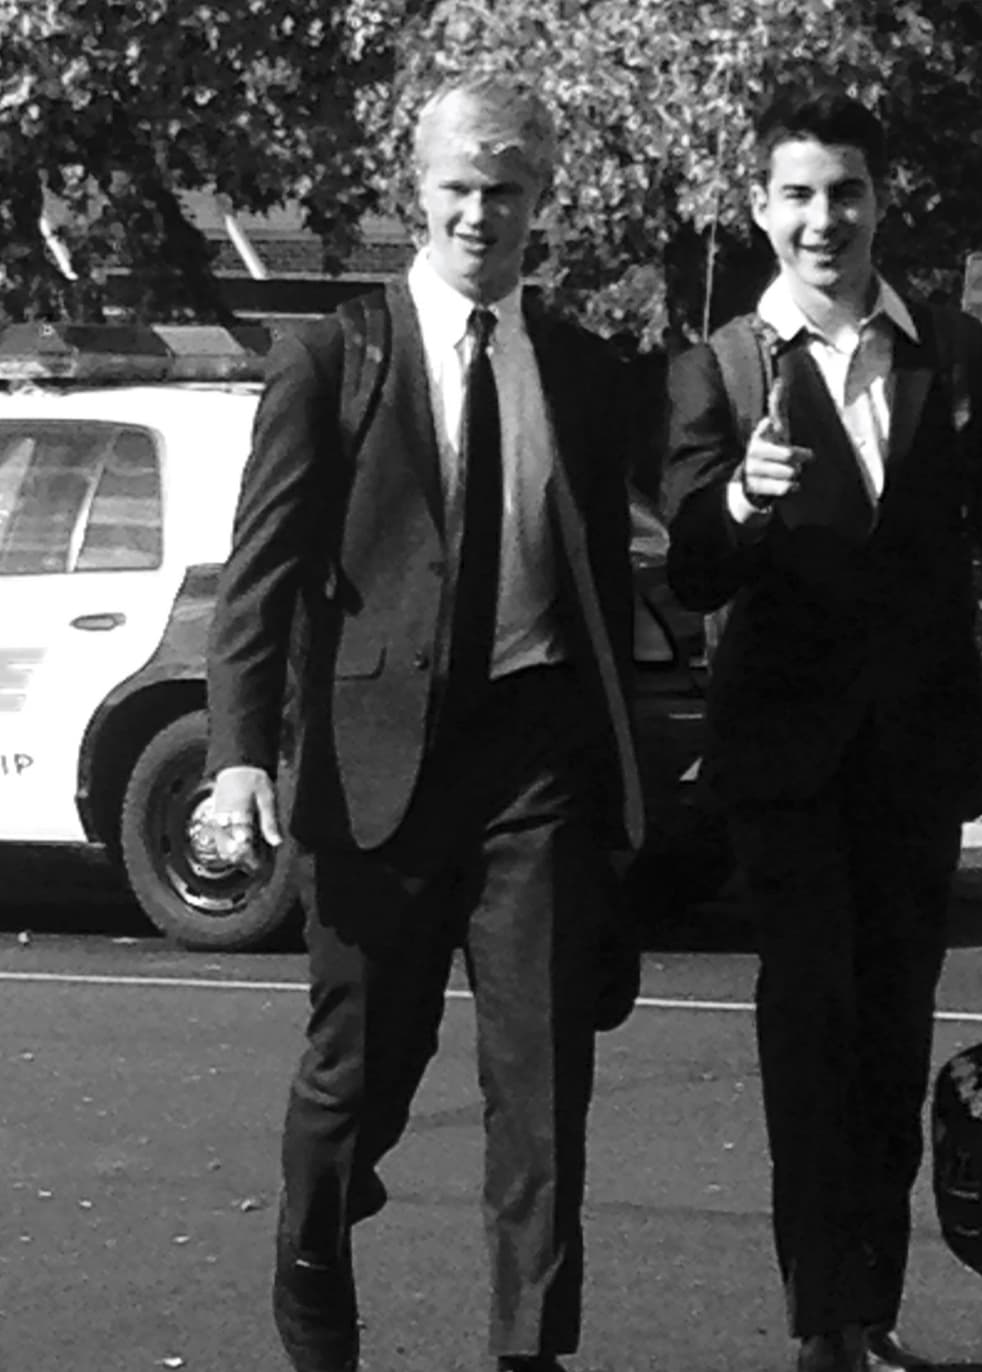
{"points": [[408, 392], [832, 492], [914, 365], [567, 500], [558, 388]]}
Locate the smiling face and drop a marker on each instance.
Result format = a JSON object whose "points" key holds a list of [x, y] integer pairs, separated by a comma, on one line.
{"points": [[478, 199], [820, 208]]}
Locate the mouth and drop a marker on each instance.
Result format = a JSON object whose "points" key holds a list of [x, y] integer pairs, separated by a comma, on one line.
{"points": [[479, 247], [824, 254]]}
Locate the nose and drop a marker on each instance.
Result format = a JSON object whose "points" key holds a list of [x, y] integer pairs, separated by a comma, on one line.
{"points": [[820, 213], [475, 207]]}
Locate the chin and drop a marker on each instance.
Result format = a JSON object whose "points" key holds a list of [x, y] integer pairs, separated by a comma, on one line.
{"points": [[821, 278]]}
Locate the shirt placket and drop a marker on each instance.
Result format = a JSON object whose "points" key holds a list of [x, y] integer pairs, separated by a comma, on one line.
{"points": [[860, 411]]}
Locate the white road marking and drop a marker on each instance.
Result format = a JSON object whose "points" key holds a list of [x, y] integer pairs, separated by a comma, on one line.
{"points": [[183, 983], [219, 984]]}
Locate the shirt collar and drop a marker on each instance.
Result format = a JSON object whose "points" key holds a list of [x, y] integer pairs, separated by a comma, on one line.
{"points": [[778, 309], [444, 312]]}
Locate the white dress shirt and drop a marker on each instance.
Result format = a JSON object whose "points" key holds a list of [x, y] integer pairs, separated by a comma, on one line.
{"points": [[526, 630], [856, 364]]}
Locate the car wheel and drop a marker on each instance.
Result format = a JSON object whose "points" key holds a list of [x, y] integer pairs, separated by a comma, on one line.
{"points": [[184, 887]]}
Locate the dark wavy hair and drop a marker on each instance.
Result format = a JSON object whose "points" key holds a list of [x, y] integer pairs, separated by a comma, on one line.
{"points": [[829, 116]]}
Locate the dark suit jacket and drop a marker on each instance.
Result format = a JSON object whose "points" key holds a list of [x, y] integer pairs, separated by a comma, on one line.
{"points": [[359, 548], [840, 616]]}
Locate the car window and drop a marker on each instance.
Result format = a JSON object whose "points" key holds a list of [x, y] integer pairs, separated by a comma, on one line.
{"points": [[78, 497]]}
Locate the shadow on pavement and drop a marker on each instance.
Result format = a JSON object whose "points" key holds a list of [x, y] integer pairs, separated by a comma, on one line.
{"points": [[75, 890], [52, 888]]}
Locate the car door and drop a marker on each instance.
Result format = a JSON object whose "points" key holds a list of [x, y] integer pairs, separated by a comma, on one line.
{"points": [[85, 591]]}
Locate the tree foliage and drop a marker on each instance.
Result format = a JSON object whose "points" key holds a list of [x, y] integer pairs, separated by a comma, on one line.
{"points": [[647, 229], [114, 107]]}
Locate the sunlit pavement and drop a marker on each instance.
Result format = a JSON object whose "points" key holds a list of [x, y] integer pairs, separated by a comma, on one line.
{"points": [[142, 1092]]}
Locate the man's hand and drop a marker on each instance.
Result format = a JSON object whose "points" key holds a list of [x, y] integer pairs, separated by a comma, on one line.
{"points": [[243, 800], [772, 465]]}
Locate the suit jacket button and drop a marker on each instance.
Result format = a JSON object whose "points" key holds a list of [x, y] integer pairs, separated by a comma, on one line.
{"points": [[421, 660]]}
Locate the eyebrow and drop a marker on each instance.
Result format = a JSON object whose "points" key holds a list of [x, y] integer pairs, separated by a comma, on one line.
{"points": [[846, 183], [491, 188]]}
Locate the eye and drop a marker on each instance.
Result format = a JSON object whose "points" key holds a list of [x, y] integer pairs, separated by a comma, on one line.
{"points": [[507, 190], [849, 193]]}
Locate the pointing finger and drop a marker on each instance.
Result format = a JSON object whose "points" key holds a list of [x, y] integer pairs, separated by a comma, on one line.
{"points": [[777, 420]]}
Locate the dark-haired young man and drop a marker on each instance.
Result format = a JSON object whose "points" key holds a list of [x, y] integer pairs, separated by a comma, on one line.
{"points": [[823, 481]]}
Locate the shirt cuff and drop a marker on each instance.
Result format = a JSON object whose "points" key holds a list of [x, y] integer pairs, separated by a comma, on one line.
{"points": [[742, 512]]}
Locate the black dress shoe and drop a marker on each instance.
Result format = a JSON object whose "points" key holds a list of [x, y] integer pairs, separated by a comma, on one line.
{"points": [[315, 1310], [843, 1350]]}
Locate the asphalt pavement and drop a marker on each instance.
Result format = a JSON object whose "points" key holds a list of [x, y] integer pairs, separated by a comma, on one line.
{"points": [[142, 1095]]}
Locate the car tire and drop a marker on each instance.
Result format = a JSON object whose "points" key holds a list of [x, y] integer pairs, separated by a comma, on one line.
{"points": [[184, 888]]}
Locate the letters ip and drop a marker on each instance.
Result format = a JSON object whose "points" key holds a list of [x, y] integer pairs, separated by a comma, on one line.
{"points": [[15, 764]]}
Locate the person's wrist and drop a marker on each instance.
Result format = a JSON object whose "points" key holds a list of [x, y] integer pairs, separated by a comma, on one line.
{"points": [[763, 504]]}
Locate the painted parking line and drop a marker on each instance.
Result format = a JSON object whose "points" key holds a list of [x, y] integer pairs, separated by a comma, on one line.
{"points": [[227, 984], [181, 983]]}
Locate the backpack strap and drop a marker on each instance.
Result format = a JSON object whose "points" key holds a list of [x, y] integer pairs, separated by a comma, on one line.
{"points": [[365, 338], [366, 330], [744, 349]]}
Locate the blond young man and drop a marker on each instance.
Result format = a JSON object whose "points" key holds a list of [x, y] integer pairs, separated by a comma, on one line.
{"points": [[463, 757]]}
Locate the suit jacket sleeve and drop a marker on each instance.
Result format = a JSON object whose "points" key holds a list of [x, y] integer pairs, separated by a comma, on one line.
{"points": [[709, 557], [280, 532]]}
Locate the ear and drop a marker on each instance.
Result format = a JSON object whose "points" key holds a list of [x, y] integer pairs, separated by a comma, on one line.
{"points": [[758, 204]]}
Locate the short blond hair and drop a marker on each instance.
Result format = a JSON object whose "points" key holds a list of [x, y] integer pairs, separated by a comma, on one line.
{"points": [[498, 114]]}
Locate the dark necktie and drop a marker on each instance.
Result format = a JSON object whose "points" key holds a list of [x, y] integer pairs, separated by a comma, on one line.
{"points": [[475, 600]]}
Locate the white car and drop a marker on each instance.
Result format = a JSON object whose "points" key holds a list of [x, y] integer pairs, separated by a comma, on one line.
{"points": [[116, 506]]}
